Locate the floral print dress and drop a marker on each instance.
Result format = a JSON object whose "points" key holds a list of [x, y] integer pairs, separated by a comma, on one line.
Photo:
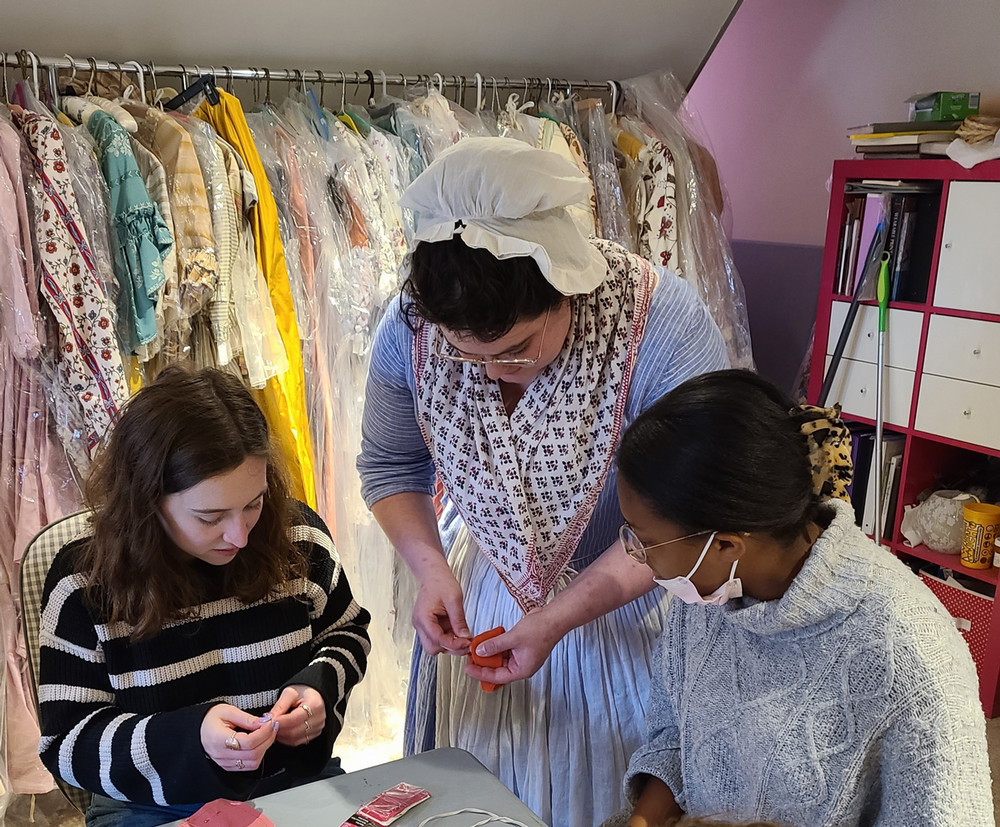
{"points": [[91, 380]]}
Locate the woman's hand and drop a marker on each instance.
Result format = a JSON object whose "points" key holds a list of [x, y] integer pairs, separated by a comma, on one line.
{"points": [[525, 647], [439, 613], [409, 521], [301, 713], [656, 806], [236, 740]]}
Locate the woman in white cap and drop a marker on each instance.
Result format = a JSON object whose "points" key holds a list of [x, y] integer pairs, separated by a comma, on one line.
{"points": [[515, 357]]}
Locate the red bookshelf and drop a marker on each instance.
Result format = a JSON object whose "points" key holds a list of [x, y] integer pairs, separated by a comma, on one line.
{"points": [[946, 561], [941, 391]]}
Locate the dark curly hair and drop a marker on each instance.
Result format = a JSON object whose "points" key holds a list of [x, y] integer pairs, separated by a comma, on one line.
{"points": [[723, 452], [181, 429], [472, 292]]}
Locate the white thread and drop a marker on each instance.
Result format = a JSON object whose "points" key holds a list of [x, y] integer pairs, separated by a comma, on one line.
{"points": [[490, 818]]}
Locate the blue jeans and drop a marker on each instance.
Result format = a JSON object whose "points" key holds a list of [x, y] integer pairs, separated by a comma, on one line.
{"points": [[107, 812]]}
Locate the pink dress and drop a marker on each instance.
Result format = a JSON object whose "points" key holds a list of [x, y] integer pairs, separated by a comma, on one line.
{"points": [[35, 483]]}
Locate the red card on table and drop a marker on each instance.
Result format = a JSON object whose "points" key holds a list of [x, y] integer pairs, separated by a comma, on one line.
{"points": [[223, 813], [386, 807]]}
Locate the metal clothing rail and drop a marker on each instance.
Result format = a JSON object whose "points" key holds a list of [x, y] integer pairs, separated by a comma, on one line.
{"points": [[32, 65]]}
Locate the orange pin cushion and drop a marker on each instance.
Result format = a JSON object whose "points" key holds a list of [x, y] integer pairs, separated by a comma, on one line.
{"points": [[492, 662]]}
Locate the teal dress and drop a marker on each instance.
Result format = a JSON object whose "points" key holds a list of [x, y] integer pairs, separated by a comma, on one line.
{"points": [[141, 238]]}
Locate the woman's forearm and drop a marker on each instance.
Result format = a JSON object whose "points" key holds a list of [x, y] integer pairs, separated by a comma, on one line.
{"points": [[608, 583], [409, 521]]}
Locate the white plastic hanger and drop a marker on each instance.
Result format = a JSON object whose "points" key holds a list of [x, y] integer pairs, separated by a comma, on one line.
{"points": [[134, 64], [115, 110], [34, 72], [78, 107]]}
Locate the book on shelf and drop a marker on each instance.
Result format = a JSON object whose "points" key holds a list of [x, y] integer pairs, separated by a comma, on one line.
{"points": [[850, 232], [892, 448], [895, 220], [888, 156], [862, 488], [912, 267], [866, 185], [862, 445], [935, 148], [885, 153], [871, 241], [902, 138], [894, 217], [878, 127], [899, 264], [893, 476]]}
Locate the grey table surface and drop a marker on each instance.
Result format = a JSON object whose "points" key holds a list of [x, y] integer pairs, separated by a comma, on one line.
{"points": [[453, 777]]}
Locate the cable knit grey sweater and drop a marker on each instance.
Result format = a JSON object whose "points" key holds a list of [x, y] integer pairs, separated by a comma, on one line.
{"points": [[852, 700]]}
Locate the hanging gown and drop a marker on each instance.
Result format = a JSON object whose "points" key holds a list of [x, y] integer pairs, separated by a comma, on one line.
{"points": [[255, 329], [656, 206], [167, 298], [284, 398], [142, 238], [90, 371], [36, 486]]}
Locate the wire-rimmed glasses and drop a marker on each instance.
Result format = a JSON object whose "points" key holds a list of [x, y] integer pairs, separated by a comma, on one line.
{"points": [[455, 356], [634, 547]]}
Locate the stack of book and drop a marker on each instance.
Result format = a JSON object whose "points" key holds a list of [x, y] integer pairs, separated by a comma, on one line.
{"points": [[903, 139], [862, 487], [894, 217]]}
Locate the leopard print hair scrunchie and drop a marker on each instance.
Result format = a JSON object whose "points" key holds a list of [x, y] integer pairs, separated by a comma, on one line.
{"points": [[829, 443]]}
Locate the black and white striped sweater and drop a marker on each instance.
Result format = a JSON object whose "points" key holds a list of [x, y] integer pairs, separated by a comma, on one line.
{"points": [[123, 718]]}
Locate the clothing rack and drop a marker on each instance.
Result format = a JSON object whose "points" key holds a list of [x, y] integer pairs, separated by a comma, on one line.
{"points": [[31, 66]]}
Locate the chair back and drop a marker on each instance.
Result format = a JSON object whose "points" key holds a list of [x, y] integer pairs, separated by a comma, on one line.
{"points": [[35, 564]]}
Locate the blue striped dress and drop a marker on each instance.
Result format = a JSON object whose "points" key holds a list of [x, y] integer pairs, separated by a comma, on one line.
{"points": [[560, 740]]}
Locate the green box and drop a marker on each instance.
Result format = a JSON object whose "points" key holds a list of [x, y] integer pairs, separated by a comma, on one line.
{"points": [[943, 106]]}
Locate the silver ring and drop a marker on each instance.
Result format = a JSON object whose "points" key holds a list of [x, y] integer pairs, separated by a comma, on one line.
{"points": [[232, 743], [239, 763], [306, 722], [309, 712]]}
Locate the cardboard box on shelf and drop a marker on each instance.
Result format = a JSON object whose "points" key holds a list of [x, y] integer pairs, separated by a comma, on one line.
{"points": [[943, 106]]}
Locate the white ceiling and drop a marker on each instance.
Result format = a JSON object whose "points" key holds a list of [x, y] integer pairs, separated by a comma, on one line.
{"points": [[593, 39]]}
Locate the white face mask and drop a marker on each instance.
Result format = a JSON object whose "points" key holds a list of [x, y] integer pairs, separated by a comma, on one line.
{"points": [[684, 589]]}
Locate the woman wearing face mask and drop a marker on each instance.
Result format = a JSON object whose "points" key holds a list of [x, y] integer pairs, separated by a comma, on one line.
{"points": [[516, 355], [201, 641], [805, 676]]}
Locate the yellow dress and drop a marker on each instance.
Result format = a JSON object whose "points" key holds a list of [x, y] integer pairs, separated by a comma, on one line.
{"points": [[283, 399]]}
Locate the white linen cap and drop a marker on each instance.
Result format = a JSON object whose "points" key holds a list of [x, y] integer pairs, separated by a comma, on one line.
{"points": [[506, 197]]}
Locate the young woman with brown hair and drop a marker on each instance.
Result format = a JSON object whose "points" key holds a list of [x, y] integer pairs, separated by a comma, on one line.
{"points": [[202, 641]]}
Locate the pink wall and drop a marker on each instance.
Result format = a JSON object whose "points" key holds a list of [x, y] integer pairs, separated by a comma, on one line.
{"points": [[789, 77]]}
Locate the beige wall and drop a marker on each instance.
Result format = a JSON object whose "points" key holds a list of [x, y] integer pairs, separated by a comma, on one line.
{"points": [[789, 76]]}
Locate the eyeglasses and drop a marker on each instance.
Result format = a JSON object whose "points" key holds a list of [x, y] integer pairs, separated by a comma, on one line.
{"points": [[486, 360], [637, 551]]}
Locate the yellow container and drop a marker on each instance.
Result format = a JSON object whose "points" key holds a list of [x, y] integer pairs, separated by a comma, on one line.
{"points": [[982, 521]]}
